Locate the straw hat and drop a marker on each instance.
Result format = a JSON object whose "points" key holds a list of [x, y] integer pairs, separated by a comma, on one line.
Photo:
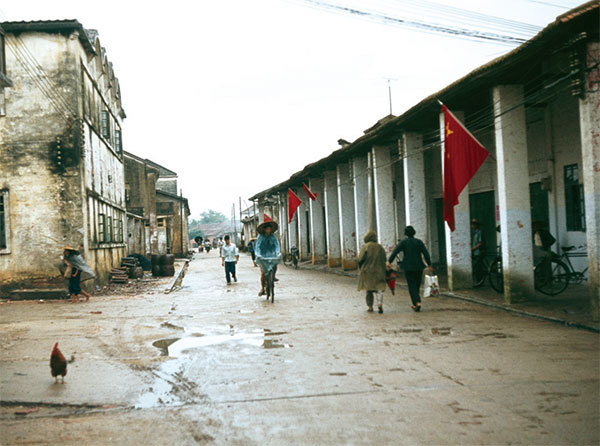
{"points": [[261, 228], [69, 248]]}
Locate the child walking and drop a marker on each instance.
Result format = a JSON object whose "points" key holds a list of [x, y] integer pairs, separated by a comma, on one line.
{"points": [[372, 265]]}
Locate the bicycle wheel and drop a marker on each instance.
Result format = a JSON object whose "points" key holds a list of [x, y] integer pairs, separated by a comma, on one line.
{"points": [[551, 278], [287, 259], [496, 275], [480, 271]]}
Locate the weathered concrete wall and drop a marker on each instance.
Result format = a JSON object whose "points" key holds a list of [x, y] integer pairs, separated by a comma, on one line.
{"points": [[56, 167], [40, 167]]}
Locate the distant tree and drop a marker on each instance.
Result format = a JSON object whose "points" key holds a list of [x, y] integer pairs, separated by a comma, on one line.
{"points": [[211, 216], [195, 232]]}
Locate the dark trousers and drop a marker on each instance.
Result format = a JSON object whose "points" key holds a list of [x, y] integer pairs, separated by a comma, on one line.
{"points": [[413, 279], [229, 269]]}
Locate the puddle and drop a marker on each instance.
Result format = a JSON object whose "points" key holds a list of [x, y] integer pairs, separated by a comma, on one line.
{"points": [[176, 347], [338, 374], [170, 325], [441, 331]]}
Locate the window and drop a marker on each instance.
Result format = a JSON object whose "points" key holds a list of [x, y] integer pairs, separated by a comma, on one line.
{"points": [[574, 204], [101, 228], [4, 222], [104, 124], [108, 237], [2, 54], [118, 143], [118, 230]]}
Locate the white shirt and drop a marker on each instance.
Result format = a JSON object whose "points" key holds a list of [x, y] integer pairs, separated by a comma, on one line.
{"points": [[229, 252]]}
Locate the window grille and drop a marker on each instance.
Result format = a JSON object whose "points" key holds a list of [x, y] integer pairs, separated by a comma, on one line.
{"points": [[574, 199]]}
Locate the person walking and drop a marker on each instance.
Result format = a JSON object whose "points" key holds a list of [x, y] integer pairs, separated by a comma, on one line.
{"points": [[414, 252], [229, 258], [268, 251], [371, 263], [251, 244], [76, 271]]}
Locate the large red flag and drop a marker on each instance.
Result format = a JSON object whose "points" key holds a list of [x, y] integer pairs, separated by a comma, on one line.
{"points": [[311, 195], [463, 156], [293, 203]]}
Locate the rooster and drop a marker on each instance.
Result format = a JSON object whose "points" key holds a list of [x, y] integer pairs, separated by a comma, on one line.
{"points": [[58, 364]]}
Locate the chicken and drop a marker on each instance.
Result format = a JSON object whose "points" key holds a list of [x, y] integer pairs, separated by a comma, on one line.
{"points": [[58, 364]]}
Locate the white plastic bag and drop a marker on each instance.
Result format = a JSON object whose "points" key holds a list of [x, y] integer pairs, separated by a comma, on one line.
{"points": [[432, 288]]}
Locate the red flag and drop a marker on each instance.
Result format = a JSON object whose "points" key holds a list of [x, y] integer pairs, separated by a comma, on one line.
{"points": [[293, 203], [463, 156], [267, 218], [312, 196]]}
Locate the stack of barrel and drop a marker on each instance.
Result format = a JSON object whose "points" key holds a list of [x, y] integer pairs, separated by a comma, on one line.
{"points": [[119, 275], [163, 265]]}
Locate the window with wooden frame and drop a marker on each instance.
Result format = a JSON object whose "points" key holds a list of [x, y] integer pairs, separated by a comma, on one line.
{"points": [[101, 228], [109, 230], [574, 199], [118, 230], [105, 124], [4, 223], [118, 142]]}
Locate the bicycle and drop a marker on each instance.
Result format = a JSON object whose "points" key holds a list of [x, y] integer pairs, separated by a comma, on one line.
{"points": [[576, 277], [268, 264], [550, 276], [481, 267]]}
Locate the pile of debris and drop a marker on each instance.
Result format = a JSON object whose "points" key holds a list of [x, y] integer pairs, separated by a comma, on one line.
{"points": [[130, 269], [163, 265]]}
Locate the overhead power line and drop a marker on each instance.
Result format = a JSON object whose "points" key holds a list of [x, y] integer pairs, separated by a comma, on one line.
{"points": [[423, 15]]}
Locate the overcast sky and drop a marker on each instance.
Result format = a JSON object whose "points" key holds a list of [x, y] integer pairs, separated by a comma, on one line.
{"points": [[236, 95]]}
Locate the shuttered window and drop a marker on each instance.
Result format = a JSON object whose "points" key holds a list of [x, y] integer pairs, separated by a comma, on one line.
{"points": [[574, 200]]}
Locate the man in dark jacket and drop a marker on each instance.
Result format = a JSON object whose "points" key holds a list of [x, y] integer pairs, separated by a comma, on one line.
{"points": [[414, 251]]}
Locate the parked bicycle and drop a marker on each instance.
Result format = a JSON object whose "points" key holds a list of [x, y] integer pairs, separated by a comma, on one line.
{"points": [[291, 258], [576, 277], [550, 276], [481, 267]]}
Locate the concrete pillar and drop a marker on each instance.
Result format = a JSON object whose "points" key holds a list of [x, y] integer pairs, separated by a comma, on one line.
{"points": [[151, 213], [384, 197], [332, 219], [399, 199], [360, 173], [589, 117], [303, 228], [282, 221], [317, 221], [347, 216], [415, 195], [458, 243], [513, 192]]}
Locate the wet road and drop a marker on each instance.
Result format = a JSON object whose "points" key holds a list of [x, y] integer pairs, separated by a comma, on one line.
{"points": [[215, 363]]}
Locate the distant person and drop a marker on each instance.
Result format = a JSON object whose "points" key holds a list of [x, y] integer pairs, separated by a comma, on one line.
{"points": [[220, 244], [372, 276], [414, 251], [251, 249], [476, 239], [229, 258]]}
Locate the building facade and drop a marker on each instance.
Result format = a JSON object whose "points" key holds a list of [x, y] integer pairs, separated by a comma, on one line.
{"points": [[535, 109], [61, 157]]}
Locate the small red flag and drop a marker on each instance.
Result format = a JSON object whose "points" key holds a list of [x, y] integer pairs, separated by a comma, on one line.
{"points": [[293, 203], [463, 156], [312, 196], [267, 218]]}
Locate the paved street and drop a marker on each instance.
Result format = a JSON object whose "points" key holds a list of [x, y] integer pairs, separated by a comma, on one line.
{"points": [[214, 363]]}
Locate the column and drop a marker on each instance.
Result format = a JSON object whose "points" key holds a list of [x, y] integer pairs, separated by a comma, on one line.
{"points": [[384, 197], [317, 221], [303, 228], [513, 188], [458, 243], [347, 217], [360, 174], [415, 195], [332, 219], [399, 199], [589, 117], [283, 227]]}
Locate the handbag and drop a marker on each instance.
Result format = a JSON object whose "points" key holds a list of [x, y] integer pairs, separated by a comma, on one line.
{"points": [[432, 288]]}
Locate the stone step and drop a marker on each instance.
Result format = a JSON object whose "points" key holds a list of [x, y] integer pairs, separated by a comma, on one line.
{"points": [[37, 294]]}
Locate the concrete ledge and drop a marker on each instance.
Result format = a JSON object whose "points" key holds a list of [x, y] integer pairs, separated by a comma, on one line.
{"points": [[521, 312], [36, 294]]}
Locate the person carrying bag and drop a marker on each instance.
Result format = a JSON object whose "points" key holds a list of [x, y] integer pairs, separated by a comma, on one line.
{"points": [[414, 252]]}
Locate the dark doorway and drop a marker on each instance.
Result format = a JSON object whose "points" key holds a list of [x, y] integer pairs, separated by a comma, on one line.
{"points": [[482, 206], [539, 204], [308, 241], [439, 212]]}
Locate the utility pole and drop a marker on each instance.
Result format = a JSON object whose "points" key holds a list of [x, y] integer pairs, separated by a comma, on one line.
{"points": [[241, 224], [389, 80], [183, 254]]}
